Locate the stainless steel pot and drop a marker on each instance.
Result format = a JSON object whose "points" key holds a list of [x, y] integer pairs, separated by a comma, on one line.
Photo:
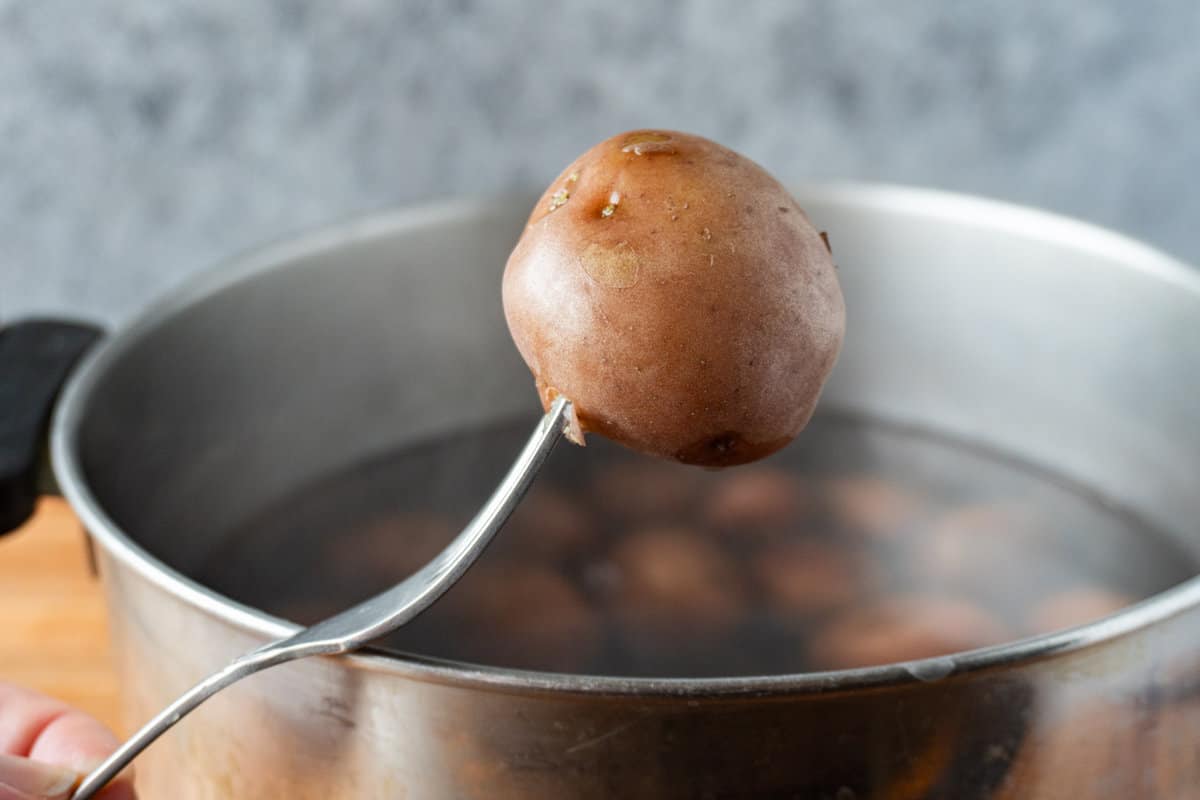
{"points": [[1074, 347]]}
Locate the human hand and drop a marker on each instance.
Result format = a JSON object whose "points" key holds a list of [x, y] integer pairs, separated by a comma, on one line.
{"points": [[46, 746]]}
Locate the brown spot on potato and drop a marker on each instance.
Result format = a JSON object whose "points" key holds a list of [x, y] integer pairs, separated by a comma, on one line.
{"points": [[727, 449], [613, 267]]}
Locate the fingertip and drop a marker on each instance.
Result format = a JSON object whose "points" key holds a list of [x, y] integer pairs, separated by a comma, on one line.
{"points": [[23, 715], [79, 742], [75, 740], [24, 778]]}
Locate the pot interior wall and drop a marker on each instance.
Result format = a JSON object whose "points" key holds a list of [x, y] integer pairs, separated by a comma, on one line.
{"points": [[1067, 347]]}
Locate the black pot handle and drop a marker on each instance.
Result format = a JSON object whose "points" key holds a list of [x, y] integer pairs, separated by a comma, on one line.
{"points": [[36, 356]]}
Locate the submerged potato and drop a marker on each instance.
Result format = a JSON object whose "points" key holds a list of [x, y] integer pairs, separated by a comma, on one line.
{"points": [[521, 615], [1077, 606], [802, 579], [672, 579], [678, 295], [904, 628], [755, 501]]}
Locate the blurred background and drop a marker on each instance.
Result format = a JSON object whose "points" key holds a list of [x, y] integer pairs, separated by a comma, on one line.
{"points": [[142, 141]]}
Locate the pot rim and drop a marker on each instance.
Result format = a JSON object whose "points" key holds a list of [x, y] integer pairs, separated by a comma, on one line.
{"points": [[944, 206]]}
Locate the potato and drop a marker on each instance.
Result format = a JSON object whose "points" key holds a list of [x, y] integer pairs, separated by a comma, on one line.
{"points": [[523, 616], [641, 490], [674, 579], [756, 500], [872, 506], [551, 525], [679, 296], [980, 545], [806, 578], [904, 628], [387, 549], [1078, 606]]}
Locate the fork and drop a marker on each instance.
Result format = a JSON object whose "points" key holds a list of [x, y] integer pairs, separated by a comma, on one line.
{"points": [[370, 619]]}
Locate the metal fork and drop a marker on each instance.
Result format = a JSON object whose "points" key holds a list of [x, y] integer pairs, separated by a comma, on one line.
{"points": [[368, 620]]}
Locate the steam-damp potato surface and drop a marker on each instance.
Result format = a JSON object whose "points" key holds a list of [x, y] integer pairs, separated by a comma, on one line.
{"points": [[679, 296]]}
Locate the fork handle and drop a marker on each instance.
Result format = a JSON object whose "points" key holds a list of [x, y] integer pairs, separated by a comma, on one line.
{"points": [[181, 707]]}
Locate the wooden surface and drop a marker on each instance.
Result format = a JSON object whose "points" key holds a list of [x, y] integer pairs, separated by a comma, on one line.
{"points": [[53, 629]]}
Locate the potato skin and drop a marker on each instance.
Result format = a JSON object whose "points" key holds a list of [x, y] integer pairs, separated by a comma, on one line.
{"points": [[678, 295]]}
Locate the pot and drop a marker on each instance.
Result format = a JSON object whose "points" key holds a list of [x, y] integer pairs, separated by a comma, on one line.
{"points": [[1073, 347]]}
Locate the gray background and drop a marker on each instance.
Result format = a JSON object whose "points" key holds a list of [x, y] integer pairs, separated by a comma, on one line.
{"points": [[142, 140]]}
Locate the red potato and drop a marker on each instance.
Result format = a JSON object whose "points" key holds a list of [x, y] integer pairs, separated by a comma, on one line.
{"points": [[550, 524], [679, 296], [903, 628], [674, 582], [516, 615], [802, 579], [1078, 606], [641, 490], [389, 548], [870, 505], [979, 544], [755, 500]]}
